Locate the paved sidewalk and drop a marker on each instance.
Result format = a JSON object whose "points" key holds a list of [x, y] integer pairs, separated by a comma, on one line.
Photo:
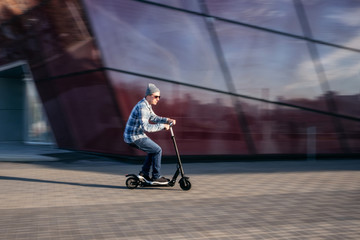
{"points": [[240, 200]]}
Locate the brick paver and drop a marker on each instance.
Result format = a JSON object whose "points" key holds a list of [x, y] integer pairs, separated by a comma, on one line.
{"points": [[238, 200]]}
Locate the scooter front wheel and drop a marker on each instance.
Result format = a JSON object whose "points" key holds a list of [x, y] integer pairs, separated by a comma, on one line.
{"points": [[132, 182], [185, 184]]}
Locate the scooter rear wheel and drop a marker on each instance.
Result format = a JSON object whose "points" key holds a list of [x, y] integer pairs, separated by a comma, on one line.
{"points": [[185, 184], [132, 182]]}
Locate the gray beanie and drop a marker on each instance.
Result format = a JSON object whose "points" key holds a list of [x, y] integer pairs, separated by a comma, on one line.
{"points": [[151, 89]]}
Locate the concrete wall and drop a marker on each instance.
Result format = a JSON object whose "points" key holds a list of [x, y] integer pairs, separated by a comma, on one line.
{"points": [[12, 92]]}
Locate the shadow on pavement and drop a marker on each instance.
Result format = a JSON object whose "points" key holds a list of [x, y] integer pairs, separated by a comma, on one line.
{"points": [[58, 182]]}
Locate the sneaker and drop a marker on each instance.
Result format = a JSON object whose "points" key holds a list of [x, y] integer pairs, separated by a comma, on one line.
{"points": [[161, 180], [143, 176]]}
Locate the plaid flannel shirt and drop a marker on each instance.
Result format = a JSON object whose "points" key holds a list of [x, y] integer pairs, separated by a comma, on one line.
{"points": [[138, 122]]}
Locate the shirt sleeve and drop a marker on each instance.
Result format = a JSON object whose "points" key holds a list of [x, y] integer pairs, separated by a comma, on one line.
{"points": [[146, 115], [156, 119]]}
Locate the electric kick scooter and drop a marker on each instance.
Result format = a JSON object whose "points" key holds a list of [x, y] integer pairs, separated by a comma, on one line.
{"points": [[133, 180]]}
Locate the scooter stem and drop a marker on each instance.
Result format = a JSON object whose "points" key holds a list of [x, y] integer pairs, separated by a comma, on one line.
{"points": [[177, 151], [172, 132]]}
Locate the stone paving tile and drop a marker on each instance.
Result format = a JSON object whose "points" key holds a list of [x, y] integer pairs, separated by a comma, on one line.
{"points": [[260, 200]]}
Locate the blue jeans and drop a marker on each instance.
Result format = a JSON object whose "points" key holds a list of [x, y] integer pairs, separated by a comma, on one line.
{"points": [[153, 158]]}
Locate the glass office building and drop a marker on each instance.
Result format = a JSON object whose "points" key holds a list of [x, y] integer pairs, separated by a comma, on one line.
{"points": [[241, 77]]}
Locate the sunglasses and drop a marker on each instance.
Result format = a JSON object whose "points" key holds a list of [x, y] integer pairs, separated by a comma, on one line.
{"points": [[157, 97]]}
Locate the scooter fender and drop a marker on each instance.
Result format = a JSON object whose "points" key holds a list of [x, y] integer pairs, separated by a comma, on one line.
{"points": [[131, 175]]}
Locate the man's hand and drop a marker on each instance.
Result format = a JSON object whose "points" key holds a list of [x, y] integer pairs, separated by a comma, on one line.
{"points": [[167, 126], [173, 121]]}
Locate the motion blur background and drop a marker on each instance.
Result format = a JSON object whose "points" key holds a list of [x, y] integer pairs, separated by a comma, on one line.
{"points": [[241, 77]]}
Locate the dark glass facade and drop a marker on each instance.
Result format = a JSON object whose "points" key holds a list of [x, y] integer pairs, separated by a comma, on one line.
{"points": [[245, 77]]}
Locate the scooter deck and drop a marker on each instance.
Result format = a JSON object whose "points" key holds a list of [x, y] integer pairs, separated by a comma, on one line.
{"points": [[145, 183]]}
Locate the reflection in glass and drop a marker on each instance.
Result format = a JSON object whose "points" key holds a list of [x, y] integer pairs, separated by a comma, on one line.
{"points": [[38, 128], [261, 60], [158, 42], [335, 21], [342, 69], [275, 15], [192, 5]]}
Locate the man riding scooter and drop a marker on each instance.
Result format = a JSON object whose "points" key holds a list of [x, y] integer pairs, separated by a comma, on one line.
{"points": [[143, 119]]}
